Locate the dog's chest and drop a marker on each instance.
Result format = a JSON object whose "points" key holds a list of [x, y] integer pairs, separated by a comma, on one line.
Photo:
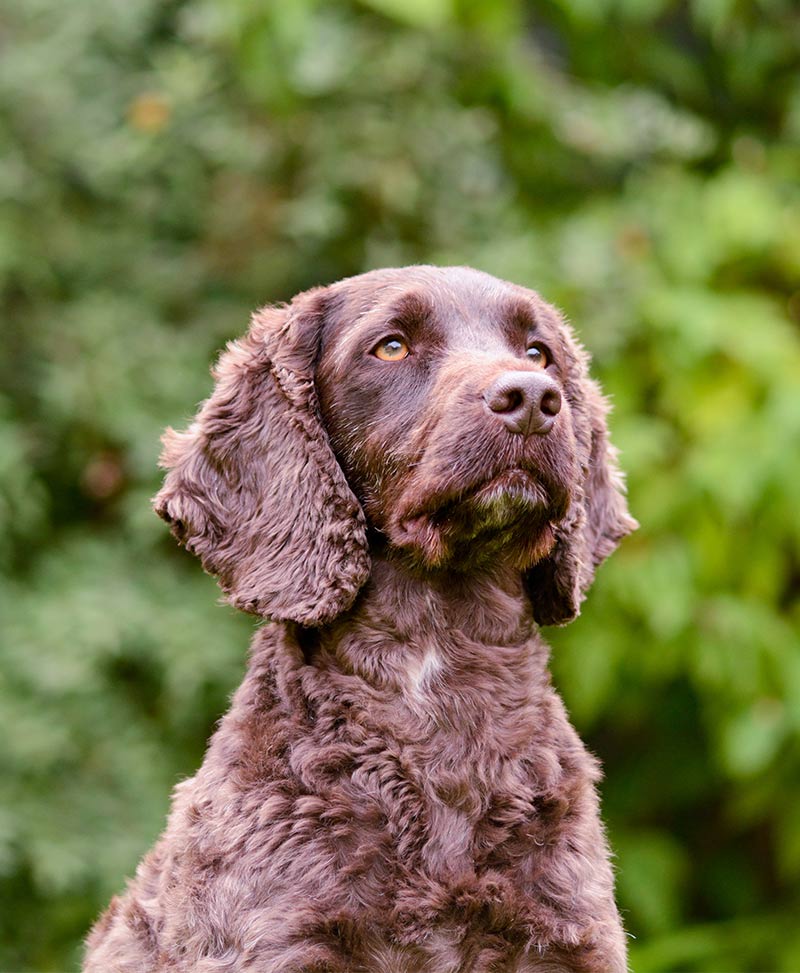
{"points": [[444, 816], [443, 950], [426, 848], [424, 837]]}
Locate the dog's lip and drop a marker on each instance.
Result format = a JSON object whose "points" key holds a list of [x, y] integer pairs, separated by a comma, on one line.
{"points": [[515, 480]]}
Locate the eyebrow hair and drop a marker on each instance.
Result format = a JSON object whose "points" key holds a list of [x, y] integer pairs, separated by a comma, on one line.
{"points": [[411, 308], [518, 314]]}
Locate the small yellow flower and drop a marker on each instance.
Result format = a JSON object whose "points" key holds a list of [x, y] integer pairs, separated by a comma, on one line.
{"points": [[149, 112]]}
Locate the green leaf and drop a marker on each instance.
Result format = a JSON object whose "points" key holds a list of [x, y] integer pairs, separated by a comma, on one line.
{"points": [[417, 13]]}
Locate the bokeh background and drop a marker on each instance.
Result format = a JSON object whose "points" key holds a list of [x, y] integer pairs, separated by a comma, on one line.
{"points": [[167, 165]]}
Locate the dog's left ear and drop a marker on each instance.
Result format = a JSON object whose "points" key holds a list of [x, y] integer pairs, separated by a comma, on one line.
{"points": [[598, 518], [254, 488]]}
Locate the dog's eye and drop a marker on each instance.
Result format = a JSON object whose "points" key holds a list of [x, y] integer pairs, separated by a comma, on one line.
{"points": [[391, 349], [538, 355]]}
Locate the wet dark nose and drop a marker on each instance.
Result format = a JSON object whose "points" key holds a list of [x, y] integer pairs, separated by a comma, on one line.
{"points": [[527, 402]]}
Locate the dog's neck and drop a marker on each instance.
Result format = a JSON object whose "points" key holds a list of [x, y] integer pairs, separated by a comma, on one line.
{"points": [[487, 606], [454, 647]]}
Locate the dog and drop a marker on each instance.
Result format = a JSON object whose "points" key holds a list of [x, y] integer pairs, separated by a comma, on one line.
{"points": [[405, 474]]}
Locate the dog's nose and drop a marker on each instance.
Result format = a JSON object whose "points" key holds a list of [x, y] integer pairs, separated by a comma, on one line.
{"points": [[527, 402]]}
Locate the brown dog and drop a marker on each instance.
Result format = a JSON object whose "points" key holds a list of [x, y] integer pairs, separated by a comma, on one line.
{"points": [[403, 472]]}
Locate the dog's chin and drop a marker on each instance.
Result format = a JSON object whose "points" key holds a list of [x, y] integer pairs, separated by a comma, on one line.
{"points": [[509, 517]]}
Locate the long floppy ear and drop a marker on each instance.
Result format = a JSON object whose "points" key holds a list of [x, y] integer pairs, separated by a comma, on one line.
{"points": [[253, 486], [598, 518]]}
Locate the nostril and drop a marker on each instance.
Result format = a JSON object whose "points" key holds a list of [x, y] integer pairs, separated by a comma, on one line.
{"points": [[551, 402], [515, 399], [505, 400]]}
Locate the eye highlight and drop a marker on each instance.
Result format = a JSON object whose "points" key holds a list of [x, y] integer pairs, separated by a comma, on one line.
{"points": [[538, 355], [393, 348]]}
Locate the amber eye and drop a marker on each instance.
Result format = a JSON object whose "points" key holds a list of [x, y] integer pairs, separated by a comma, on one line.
{"points": [[538, 356], [391, 349]]}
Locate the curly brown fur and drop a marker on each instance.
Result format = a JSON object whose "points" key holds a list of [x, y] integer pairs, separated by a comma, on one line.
{"points": [[396, 788]]}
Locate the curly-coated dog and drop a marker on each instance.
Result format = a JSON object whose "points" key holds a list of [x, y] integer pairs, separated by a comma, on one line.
{"points": [[404, 473]]}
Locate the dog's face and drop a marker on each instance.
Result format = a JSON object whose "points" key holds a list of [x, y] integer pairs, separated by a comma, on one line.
{"points": [[443, 393], [450, 412]]}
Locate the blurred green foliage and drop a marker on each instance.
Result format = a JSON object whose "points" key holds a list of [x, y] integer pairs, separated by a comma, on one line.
{"points": [[167, 165]]}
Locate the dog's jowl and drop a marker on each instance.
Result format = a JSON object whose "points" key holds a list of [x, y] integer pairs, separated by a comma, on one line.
{"points": [[405, 474]]}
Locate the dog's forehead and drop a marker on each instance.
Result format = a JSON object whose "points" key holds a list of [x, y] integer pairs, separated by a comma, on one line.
{"points": [[470, 306]]}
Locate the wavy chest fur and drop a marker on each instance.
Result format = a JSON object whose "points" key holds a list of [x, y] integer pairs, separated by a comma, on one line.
{"points": [[398, 802]]}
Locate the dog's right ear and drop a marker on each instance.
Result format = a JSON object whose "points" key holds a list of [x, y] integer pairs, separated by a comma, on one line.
{"points": [[254, 488], [598, 518]]}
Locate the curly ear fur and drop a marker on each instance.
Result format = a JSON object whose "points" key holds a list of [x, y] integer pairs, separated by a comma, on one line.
{"points": [[598, 518], [253, 487]]}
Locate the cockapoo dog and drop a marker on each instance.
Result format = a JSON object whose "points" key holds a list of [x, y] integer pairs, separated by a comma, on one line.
{"points": [[405, 473]]}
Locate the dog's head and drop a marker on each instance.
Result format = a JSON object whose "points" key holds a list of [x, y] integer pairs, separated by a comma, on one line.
{"points": [[437, 411]]}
